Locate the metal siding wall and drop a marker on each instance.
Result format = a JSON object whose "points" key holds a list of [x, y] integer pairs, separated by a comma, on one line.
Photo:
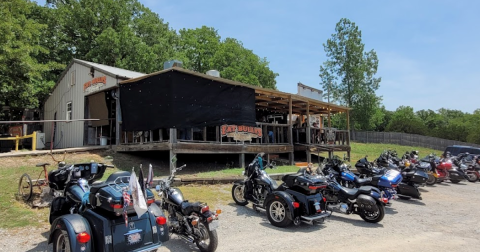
{"points": [[57, 102]]}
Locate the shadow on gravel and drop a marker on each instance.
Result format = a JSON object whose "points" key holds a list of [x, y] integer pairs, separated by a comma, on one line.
{"points": [[42, 246], [178, 244], [442, 184], [262, 216], [412, 202], [390, 210], [423, 189], [356, 222]]}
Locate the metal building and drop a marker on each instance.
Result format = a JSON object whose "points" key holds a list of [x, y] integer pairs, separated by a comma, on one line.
{"points": [[84, 90]]}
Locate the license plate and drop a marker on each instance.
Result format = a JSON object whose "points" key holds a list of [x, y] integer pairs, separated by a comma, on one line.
{"points": [[213, 225], [133, 237]]}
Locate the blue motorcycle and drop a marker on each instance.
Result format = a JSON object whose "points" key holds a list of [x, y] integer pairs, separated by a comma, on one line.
{"points": [[386, 181]]}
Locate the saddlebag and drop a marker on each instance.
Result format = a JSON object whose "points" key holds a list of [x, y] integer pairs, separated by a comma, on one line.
{"points": [[366, 202], [109, 197]]}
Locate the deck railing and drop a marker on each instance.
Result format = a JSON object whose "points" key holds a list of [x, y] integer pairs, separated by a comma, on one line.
{"points": [[321, 136]]}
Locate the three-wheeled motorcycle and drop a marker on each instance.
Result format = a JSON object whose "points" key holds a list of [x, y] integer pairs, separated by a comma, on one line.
{"points": [[88, 215], [296, 200]]}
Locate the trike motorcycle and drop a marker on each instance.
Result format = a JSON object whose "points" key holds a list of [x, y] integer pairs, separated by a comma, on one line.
{"points": [[89, 215], [296, 200]]}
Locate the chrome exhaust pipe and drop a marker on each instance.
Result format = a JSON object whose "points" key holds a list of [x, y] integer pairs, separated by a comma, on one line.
{"points": [[186, 238]]}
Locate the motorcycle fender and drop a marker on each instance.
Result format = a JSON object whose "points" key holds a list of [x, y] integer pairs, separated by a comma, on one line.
{"points": [[287, 198], [239, 182], [73, 224], [162, 230]]}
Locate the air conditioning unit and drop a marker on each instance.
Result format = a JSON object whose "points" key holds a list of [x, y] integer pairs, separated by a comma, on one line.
{"points": [[40, 140]]}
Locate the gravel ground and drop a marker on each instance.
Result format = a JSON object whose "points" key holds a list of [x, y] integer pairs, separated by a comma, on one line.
{"points": [[447, 219]]}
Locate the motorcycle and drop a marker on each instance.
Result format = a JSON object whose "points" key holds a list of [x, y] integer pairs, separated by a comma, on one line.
{"points": [[467, 163], [445, 170], [193, 222], [385, 181], [296, 200], [88, 215], [365, 201]]}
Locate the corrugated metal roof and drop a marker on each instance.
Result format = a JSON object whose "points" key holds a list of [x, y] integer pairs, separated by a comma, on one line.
{"points": [[112, 70]]}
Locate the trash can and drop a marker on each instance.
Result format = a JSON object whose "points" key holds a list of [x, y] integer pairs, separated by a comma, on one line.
{"points": [[103, 140], [6, 145]]}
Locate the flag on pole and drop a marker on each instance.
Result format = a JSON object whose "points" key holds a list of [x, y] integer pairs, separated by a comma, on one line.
{"points": [[141, 181], [150, 177], [139, 203], [126, 203]]}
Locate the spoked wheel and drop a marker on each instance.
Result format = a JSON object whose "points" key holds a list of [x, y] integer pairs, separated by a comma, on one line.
{"points": [[431, 179], [209, 239], [238, 195], [373, 216], [61, 241], [25, 187], [277, 212]]}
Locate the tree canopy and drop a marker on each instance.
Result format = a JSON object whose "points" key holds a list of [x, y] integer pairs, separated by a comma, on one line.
{"points": [[39, 41], [348, 74]]}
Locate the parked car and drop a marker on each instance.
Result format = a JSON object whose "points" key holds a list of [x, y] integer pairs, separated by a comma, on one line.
{"points": [[457, 149]]}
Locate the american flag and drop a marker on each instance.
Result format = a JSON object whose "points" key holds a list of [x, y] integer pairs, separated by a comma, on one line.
{"points": [[126, 203]]}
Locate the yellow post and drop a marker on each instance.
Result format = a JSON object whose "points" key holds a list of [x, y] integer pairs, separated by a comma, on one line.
{"points": [[34, 141], [16, 143]]}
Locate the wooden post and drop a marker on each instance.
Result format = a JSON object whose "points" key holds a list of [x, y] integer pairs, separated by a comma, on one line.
{"points": [[241, 160], [205, 134], [309, 156], [173, 136], [291, 158], [217, 134], [191, 134], [290, 126], [118, 118], [348, 128], [172, 165], [34, 141], [308, 133], [160, 134]]}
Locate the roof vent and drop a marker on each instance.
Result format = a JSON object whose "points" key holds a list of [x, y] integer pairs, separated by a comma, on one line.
{"points": [[172, 63], [213, 73]]}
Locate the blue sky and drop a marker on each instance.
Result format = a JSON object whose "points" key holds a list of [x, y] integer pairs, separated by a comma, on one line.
{"points": [[428, 50]]}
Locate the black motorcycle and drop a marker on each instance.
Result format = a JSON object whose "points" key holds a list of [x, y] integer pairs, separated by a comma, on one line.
{"points": [[193, 222], [365, 201], [296, 200], [87, 216]]}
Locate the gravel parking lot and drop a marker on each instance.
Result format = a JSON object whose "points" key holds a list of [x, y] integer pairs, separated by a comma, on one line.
{"points": [[447, 219]]}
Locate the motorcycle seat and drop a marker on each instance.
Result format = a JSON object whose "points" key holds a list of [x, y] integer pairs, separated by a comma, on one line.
{"points": [[354, 192], [363, 181], [188, 207]]}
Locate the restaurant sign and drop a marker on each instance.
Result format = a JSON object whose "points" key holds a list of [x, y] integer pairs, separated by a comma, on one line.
{"points": [[95, 84], [240, 132]]}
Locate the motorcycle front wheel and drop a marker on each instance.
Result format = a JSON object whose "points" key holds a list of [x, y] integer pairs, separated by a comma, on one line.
{"points": [[373, 216], [238, 195], [209, 238], [472, 177]]}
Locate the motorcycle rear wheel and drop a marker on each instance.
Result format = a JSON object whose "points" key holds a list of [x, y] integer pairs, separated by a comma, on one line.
{"points": [[61, 241], [238, 195], [431, 179], [277, 213], [472, 177], [210, 239], [373, 217]]}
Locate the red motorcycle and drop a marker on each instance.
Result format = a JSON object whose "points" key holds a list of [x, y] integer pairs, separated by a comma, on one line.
{"points": [[446, 171]]}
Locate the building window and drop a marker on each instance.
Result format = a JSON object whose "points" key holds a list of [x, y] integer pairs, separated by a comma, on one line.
{"points": [[69, 111], [72, 80]]}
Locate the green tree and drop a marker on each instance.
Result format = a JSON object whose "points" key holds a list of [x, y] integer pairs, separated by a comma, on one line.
{"points": [[348, 74], [21, 74], [406, 121], [202, 49]]}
